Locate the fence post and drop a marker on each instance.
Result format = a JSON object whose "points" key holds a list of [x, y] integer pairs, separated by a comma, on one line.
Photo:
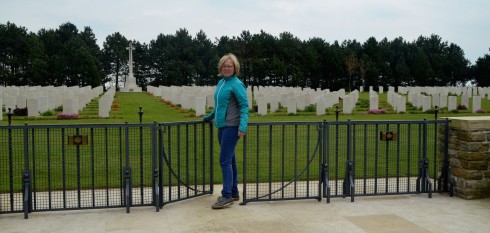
{"points": [[9, 116], [26, 177], [127, 173], [156, 173], [140, 113]]}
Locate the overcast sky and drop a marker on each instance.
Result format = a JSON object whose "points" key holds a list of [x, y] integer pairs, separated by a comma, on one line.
{"points": [[462, 22]]}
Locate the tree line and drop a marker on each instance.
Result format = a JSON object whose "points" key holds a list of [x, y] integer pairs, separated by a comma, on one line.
{"points": [[67, 56]]}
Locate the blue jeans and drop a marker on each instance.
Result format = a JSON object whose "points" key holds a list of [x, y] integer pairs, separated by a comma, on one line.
{"points": [[228, 139]]}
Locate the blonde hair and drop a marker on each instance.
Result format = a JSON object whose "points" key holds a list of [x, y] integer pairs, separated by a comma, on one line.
{"points": [[233, 59]]}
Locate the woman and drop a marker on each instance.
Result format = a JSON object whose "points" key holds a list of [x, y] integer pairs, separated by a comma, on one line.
{"points": [[230, 116]]}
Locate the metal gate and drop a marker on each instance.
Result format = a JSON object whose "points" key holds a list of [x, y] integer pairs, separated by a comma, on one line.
{"points": [[63, 167], [300, 160]]}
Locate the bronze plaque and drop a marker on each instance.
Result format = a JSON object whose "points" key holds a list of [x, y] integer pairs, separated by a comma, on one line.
{"points": [[387, 136], [78, 140]]}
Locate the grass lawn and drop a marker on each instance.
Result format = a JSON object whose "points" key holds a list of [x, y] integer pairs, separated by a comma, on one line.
{"points": [[126, 108]]}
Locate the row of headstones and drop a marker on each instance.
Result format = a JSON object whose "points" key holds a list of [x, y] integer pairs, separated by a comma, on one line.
{"points": [[38, 99], [269, 99], [266, 98], [105, 102], [459, 91], [189, 97]]}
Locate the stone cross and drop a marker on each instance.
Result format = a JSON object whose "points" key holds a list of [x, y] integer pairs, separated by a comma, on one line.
{"points": [[130, 62]]}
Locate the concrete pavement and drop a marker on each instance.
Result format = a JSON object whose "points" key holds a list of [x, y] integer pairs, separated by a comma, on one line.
{"points": [[401, 213]]}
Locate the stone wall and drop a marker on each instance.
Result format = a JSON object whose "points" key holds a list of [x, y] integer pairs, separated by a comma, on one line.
{"points": [[469, 154]]}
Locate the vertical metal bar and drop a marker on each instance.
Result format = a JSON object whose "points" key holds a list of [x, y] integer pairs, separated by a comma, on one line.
{"points": [[169, 162], [409, 155], [48, 144], [398, 158], [179, 155], [142, 163], [78, 171], [336, 159], [326, 160], [127, 172], [27, 195], [154, 166], [244, 192], [387, 160], [187, 160], [270, 162], [106, 143], [121, 165], [92, 163], [63, 165], [376, 159], [34, 165], [435, 149], [307, 160], [283, 154], [295, 159], [11, 169], [365, 155], [195, 180], [257, 156], [346, 183], [160, 163], [211, 151]]}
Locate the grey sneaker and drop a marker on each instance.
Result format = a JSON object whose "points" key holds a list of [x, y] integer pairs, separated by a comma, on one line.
{"points": [[222, 203], [235, 197]]}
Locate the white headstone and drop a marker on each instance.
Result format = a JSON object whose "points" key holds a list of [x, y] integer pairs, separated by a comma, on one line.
{"points": [[262, 106], [347, 105], [476, 103], [274, 104], [200, 106], [1, 107], [291, 105], [426, 103], [465, 100], [9, 102], [104, 107], [452, 103], [320, 106], [436, 100], [42, 104], [373, 101], [32, 107], [70, 106], [21, 101]]}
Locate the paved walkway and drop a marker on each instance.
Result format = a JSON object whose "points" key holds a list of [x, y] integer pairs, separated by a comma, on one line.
{"points": [[401, 213]]}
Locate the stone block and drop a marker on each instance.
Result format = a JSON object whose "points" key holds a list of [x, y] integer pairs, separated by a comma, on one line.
{"points": [[474, 165], [471, 156], [471, 136]]}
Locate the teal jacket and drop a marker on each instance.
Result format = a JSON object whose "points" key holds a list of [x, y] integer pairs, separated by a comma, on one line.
{"points": [[230, 104]]}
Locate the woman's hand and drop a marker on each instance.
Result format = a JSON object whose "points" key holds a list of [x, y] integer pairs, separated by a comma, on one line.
{"points": [[240, 133]]}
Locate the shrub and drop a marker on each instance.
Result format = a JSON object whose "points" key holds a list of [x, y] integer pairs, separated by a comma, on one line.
{"points": [[480, 110], [48, 113], [67, 116], [376, 111], [20, 112], [310, 108], [462, 107]]}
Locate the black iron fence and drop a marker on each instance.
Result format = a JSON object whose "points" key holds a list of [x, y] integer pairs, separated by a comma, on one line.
{"points": [[299, 160], [60, 167]]}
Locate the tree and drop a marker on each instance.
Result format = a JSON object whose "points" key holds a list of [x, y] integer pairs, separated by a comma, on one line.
{"points": [[481, 71], [351, 65], [115, 58]]}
